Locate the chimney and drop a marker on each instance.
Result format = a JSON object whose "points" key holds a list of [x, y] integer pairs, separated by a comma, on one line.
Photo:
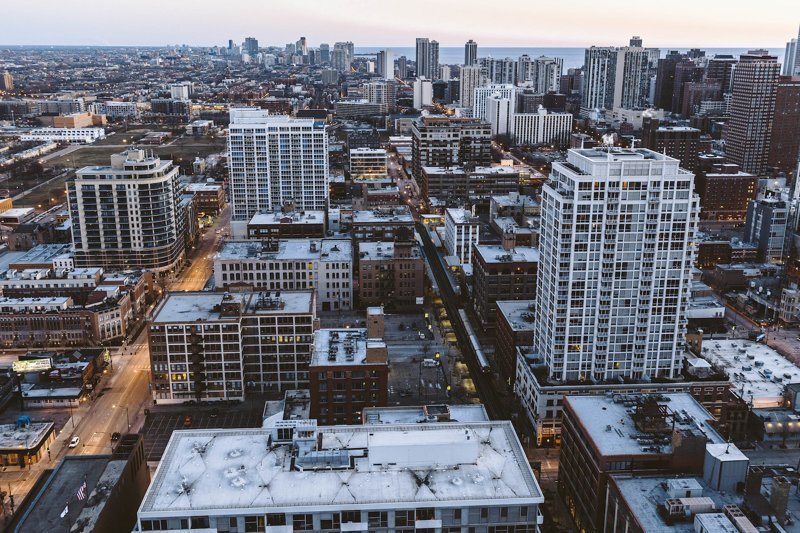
{"points": [[509, 239]]}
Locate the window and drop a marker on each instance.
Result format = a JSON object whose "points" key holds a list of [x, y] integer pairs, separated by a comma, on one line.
{"points": [[378, 519], [303, 522], [403, 518], [254, 524]]}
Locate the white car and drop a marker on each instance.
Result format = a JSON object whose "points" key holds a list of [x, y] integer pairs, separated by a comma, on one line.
{"points": [[73, 443]]}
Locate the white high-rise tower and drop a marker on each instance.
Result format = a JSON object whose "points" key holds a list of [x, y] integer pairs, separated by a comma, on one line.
{"points": [[273, 159], [615, 265]]}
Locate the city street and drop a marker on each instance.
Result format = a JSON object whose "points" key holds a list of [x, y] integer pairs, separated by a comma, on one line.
{"points": [[195, 276]]}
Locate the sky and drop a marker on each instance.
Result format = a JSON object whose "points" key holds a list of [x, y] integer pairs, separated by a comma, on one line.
{"points": [[543, 23]]}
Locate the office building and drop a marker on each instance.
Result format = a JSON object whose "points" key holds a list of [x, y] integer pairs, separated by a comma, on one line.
{"points": [[679, 142], [462, 229], [273, 159], [752, 111], [427, 58], [470, 53], [368, 164], [127, 215], [470, 78], [383, 224], [210, 346], [447, 142], [287, 224], [305, 488], [784, 146], [725, 191], [391, 274], [502, 272], [766, 226], [291, 264], [542, 127], [604, 435], [477, 184], [481, 94], [624, 300], [423, 93]]}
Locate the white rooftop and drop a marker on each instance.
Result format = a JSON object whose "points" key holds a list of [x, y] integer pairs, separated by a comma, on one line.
{"points": [[460, 215], [391, 465], [394, 214], [14, 438], [609, 423], [339, 346], [518, 313], [295, 217], [757, 372], [381, 250], [414, 415], [288, 250], [494, 253], [186, 307]]}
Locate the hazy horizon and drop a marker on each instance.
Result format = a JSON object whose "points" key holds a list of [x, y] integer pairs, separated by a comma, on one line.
{"points": [[681, 23]]}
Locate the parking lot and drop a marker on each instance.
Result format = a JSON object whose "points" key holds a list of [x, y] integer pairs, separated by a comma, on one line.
{"points": [[163, 420]]}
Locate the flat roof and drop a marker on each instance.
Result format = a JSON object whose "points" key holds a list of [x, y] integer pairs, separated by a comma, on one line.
{"points": [[339, 346], [414, 415], [608, 421], [186, 307], [295, 217], [757, 373], [644, 495], [288, 250], [62, 485], [42, 253], [24, 438], [382, 250], [518, 313], [461, 216], [400, 213], [207, 470], [495, 253]]}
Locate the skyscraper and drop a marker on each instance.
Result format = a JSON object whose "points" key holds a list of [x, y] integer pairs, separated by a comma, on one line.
{"points": [[342, 56], [250, 46], [273, 159], [615, 265], [665, 79], [785, 142], [127, 215], [385, 64], [402, 67], [302, 47], [632, 77], [427, 58], [791, 59], [471, 77], [470, 53], [324, 53], [600, 66], [482, 93], [752, 110], [542, 74], [6, 81]]}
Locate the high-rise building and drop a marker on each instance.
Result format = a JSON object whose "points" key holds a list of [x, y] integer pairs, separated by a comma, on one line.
{"points": [[471, 77], [273, 159], [250, 46], [301, 47], [766, 226], [541, 74], [791, 58], [6, 81], [423, 92], [470, 53], [324, 53], [680, 142], [752, 110], [481, 94], [342, 56], [611, 300], [402, 67], [427, 58], [599, 77], [385, 64], [500, 71], [127, 215], [382, 92], [784, 146], [665, 79], [434, 60], [500, 114], [632, 82], [720, 67]]}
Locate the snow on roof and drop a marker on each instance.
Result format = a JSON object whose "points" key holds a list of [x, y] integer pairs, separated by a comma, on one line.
{"points": [[518, 313], [341, 346], [186, 307], [413, 415], [13, 438], [608, 422], [393, 214], [288, 250], [494, 253], [757, 372], [206, 470]]}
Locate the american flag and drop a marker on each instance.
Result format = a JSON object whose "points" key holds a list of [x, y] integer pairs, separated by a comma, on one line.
{"points": [[81, 495]]}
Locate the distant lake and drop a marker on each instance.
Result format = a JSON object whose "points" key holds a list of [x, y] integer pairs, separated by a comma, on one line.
{"points": [[573, 57]]}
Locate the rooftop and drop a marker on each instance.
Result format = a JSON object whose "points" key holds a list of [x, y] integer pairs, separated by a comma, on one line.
{"points": [[288, 250], [757, 372], [386, 214], [414, 415], [518, 313], [342, 346], [609, 421], [644, 495], [296, 217], [494, 253], [205, 470], [373, 251], [461, 216], [23, 438], [42, 253], [186, 307]]}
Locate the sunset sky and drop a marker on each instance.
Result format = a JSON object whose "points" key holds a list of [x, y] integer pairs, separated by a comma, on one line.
{"points": [[678, 23]]}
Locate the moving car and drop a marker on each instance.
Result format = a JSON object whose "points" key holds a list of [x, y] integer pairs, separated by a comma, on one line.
{"points": [[73, 443]]}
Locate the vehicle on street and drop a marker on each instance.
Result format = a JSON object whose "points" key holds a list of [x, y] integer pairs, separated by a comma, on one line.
{"points": [[430, 363], [187, 421], [73, 443], [115, 436]]}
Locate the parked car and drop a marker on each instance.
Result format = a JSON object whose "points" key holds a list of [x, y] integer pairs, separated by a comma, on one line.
{"points": [[73, 443], [115, 436]]}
